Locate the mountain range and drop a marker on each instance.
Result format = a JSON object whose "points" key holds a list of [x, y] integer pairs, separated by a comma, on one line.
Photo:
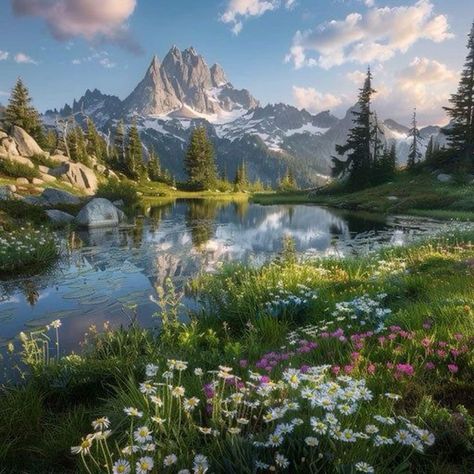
{"points": [[183, 92]]}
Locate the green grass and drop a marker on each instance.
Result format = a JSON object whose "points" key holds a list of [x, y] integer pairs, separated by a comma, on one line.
{"points": [[17, 170], [420, 194], [45, 160], [429, 288]]}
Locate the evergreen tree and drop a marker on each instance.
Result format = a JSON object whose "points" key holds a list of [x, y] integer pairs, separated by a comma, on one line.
{"points": [[95, 143], [134, 167], [358, 147], [415, 155], [21, 113], [154, 167], [119, 148], [51, 140], [288, 182], [429, 151], [378, 152], [461, 132], [77, 146], [241, 180], [199, 161]]}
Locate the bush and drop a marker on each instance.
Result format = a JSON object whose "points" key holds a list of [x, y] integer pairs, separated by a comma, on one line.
{"points": [[17, 170], [115, 190], [45, 160], [23, 212]]}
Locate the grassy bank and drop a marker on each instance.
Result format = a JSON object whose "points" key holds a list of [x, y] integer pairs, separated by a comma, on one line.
{"points": [[418, 194], [385, 341]]}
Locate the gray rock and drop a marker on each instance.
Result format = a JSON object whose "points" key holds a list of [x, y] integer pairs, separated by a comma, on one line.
{"points": [[54, 197], [392, 198], [99, 212], [8, 146], [26, 144], [34, 200], [59, 217], [78, 175], [119, 203], [5, 193], [444, 178]]}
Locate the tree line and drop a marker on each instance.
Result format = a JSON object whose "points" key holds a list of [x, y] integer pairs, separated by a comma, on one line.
{"points": [[366, 159]]}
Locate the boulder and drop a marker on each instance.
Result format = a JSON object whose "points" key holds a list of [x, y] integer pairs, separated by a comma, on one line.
{"points": [[54, 197], [26, 144], [444, 178], [99, 212], [6, 193], [59, 217], [3, 135], [22, 181], [43, 169], [37, 181], [34, 200], [8, 146], [78, 175], [100, 169], [47, 178], [59, 159], [119, 203]]}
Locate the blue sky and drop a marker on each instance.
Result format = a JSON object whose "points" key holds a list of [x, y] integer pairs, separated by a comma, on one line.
{"points": [[415, 47]]}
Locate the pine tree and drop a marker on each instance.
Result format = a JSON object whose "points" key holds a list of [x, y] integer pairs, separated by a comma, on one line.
{"points": [[415, 155], [378, 152], [21, 113], [95, 143], [429, 151], [288, 182], [134, 167], [241, 180], [461, 132], [199, 161], [51, 140], [77, 146], [119, 147], [154, 167], [359, 142]]}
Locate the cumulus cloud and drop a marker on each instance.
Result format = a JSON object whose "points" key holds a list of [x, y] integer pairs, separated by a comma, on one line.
{"points": [[314, 101], [376, 35], [425, 84], [94, 20], [239, 10], [22, 58], [4, 55]]}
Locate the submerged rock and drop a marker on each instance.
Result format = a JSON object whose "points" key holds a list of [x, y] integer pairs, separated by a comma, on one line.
{"points": [[99, 212]]}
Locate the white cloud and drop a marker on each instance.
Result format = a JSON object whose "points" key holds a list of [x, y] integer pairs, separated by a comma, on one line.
{"points": [[91, 19], [239, 10], [376, 35], [310, 99], [22, 58], [100, 57], [3, 93], [4, 55], [425, 84]]}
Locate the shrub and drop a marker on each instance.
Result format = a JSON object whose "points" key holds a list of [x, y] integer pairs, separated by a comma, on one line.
{"points": [[45, 160], [115, 190], [17, 170]]}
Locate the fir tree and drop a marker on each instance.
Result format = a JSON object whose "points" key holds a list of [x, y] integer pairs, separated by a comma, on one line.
{"points": [[429, 151], [358, 147], [154, 167], [288, 182], [119, 147], [134, 167], [21, 113], [461, 132], [241, 180], [95, 143], [51, 140], [415, 155], [199, 161], [77, 146]]}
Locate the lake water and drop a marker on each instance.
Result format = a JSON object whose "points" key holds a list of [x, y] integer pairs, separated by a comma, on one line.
{"points": [[103, 271]]}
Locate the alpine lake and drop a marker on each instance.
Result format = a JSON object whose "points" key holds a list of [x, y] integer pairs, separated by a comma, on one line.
{"points": [[110, 276]]}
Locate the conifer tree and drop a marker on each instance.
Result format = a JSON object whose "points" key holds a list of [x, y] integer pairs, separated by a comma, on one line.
{"points": [[461, 132], [21, 113], [119, 147], [154, 167], [359, 142], [134, 159], [414, 156], [95, 143], [199, 161], [429, 151], [241, 180]]}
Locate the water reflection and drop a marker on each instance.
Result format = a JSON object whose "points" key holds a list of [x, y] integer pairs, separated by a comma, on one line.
{"points": [[106, 269]]}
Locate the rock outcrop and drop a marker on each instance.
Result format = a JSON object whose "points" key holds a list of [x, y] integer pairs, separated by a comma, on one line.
{"points": [[59, 217], [77, 174], [26, 144], [54, 197], [99, 212]]}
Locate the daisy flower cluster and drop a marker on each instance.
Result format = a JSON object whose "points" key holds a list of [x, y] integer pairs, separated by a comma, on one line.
{"points": [[24, 247], [183, 418], [285, 300]]}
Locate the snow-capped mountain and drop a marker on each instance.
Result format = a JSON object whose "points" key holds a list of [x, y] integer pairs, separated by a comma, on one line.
{"points": [[182, 92]]}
